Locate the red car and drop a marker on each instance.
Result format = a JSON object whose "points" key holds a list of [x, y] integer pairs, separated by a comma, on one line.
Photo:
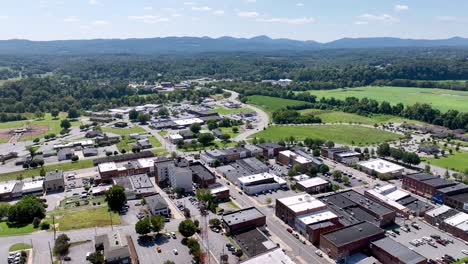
{"points": [[289, 230]]}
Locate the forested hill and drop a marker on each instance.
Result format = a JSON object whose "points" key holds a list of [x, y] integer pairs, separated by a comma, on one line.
{"points": [[206, 44]]}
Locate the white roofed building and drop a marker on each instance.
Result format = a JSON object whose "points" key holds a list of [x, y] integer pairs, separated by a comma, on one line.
{"points": [[289, 208], [313, 185], [261, 182], [381, 168]]}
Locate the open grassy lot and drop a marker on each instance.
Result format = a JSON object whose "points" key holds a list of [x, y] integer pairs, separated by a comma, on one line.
{"points": [[154, 141], [458, 161], [228, 111], [441, 99], [6, 230], [228, 130], [66, 166], [329, 116], [124, 131], [271, 104], [86, 218], [19, 246], [215, 145], [344, 134], [160, 151], [162, 133]]}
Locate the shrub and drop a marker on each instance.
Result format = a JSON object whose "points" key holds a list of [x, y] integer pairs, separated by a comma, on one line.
{"points": [[45, 226]]}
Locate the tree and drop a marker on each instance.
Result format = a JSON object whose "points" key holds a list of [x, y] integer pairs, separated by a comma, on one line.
{"points": [[212, 124], [65, 124], [36, 140], [330, 144], [383, 150], [226, 94], [268, 200], [96, 258], [4, 207], [133, 115], [143, 118], [187, 228], [73, 113], [143, 226], [195, 128], [26, 209], [324, 168], [316, 152], [205, 139], [157, 223], [62, 245], [39, 114], [75, 158], [203, 195], [116, 197], [54, 113], [215, 222], [225, 138], [235, 130], [345, 179], [337, 175]]}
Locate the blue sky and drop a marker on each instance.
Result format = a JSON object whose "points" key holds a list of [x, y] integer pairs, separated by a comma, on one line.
{"points": [[321, 20]]}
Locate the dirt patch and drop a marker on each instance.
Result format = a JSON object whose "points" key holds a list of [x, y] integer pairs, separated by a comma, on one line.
{"points": [[7, 133]]}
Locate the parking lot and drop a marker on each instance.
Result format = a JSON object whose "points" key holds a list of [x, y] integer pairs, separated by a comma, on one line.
{"points": [[77, 253], [427, 250]]}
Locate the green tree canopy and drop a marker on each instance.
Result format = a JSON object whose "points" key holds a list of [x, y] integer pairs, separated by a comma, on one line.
{"points": [[187, 228], [116, 197]]}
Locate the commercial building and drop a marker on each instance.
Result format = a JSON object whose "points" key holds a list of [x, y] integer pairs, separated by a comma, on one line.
{"points": [[313, 185], [443, 195], [289, 208], [274, 256], [243, 220], [175, 138], [201, 175], [437, 216], [225, 156], [163, 167], [388, 197], [115, 247], [255, 151], [425, 184], [381, 168], [6, 189], [136, 186], [458, 201], [242, 167], [355, 207], [35, 188], [291, 158], [348, 157], [181, 178], [457, 225], [314, 224], [54, 181], [271, 150], [219, 192], [188, 122], [331, 153], [110, 170], [157, 205], [261, 182], [344, 242], [388, 251]]}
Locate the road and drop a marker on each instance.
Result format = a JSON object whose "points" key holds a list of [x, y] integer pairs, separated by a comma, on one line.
{"points": [[262, 119]]}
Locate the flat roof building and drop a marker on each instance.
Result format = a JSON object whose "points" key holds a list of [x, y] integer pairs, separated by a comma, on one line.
{"points": [[382, 168], [261, 182], [313, 185], [275, 256], [157, 204], [389, 251], [243, 220], [289, 208]]}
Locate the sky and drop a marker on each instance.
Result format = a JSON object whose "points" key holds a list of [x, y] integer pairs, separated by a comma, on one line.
{"points": [[319, 20]]}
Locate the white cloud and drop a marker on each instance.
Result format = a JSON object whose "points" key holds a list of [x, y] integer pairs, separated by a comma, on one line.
{"points": [[4, 17], [149, 19], [219, 12], [400, 8], [446, 18], [189, 3], [300, 4], [201, 8], [361, 23], [388, 19], [148, 8], [72, 19], [101, 23], [176, 15], [250, 1], [248, 14], [291, 21], [95, 2]]}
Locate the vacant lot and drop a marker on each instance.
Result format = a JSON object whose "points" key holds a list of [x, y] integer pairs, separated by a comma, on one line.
{"points": [[228, 111], [86, 218], [270, 104], [344, 134], [439, 98], [329, 116], [458, 161]]}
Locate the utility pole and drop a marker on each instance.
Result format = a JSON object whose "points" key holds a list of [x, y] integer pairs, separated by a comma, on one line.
{"points": [[55, 231], [110, 216], [50, 251]]}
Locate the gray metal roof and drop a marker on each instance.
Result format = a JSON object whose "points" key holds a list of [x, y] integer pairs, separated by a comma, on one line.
{"points": [[54, 175], [353, 233], [156, 202], [242, 215], [397, 250]]}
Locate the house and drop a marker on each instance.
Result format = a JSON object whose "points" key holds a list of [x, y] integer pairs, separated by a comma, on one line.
{"points": [[107, 141], [65, 154], [90, 152], [115, 247], [144, 144], [120, 124], [217, 133], [157, 205], [187, 134], [93, 134], [54, 181], [429, 149]]}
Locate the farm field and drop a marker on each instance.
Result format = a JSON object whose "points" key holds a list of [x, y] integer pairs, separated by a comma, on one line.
{"points": [[441, 99], [343, 117], [271, 104], [343, 134], [457, 161]]}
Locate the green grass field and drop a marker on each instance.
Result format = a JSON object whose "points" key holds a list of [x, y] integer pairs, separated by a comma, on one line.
{"points": [[228, 130], [91, 217], [228, 111], [154, 141], [458, 161], [124, 131], [441, 99], [162, 133], [271, 104], [19, 246], [342, 117], [344, 134], [66, 166], [160, 151], [6, 230]]}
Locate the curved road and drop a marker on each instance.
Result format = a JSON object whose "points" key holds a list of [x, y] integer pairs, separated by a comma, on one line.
{"points": [[262, 118]]}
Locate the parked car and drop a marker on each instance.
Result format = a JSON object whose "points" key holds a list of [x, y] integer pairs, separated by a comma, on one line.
{"points": [[318, 253], [158, 249], [289, 229], [173, 235], [175, 251]]}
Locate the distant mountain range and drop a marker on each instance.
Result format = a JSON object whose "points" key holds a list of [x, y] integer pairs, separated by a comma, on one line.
{"points": [[206, 44]]}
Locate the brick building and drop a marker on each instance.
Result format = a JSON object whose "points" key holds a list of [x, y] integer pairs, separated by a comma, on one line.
{"points": [[243, 220], [424, 184], [289, 208], [388, 251]]}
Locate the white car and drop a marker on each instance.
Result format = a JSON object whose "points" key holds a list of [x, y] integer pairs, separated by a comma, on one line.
{"points": [[318, 253], [464, 251], [175, 251]]}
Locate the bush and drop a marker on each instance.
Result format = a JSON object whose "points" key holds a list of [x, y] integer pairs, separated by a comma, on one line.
{"points": [[36, 222], [45, 226]]}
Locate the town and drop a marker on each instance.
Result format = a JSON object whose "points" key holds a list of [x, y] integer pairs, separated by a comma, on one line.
{"points": [[185, 182]]}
